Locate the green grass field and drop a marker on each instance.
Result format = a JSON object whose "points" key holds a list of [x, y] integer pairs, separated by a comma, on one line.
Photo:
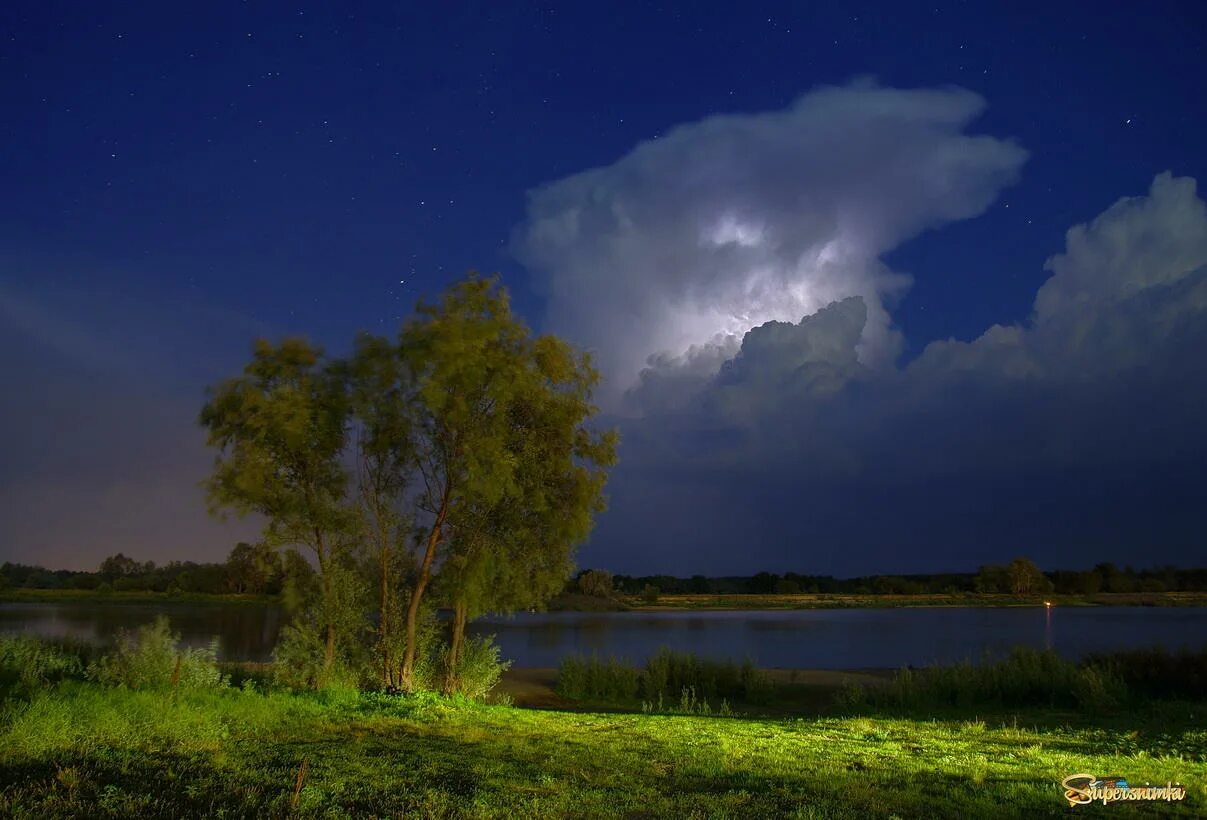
{"points": [[84, 750]]}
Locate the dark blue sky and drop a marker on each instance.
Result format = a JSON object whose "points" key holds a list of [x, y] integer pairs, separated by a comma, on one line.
{"points": [[315, 168]]}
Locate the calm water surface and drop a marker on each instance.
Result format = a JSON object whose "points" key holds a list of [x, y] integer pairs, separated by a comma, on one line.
{"points": [[816, 638]]}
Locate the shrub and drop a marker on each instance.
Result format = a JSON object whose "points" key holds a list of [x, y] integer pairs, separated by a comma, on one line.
{"points": [[592, 679], [479, 667], [297, 659], [649, 594], [1155, 672], [667, 675], [150, 658], [1026, 677], [35, 662]]}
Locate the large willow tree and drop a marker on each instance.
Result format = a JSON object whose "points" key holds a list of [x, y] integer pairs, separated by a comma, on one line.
{"points": [[460, 456], [490, 401], [515, 551]]}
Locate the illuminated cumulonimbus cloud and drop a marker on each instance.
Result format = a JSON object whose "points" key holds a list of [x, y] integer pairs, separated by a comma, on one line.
{"points": [[661, 261]]}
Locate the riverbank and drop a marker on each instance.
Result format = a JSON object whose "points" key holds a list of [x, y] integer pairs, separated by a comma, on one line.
{"points": [[80, 749], [962, 599], [92, 596], [621, 603]]}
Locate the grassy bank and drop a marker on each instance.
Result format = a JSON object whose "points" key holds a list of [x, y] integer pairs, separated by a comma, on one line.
{"points": [[826, 601], [81, 749]]}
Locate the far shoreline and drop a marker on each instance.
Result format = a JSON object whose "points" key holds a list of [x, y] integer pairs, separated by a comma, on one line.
{"points": [[674, 603]]}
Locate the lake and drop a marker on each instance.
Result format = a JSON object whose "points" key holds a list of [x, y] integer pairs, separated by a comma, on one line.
{"points": [[811, 638]]}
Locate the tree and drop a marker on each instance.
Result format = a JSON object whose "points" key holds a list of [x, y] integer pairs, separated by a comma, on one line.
{"points": [[992, 578], [118, 565], [515, 552], [383, 409], [456, 353], [1024, 578], [241, 572], [596, 582], [279, 432], [253, 568], [510, 477]]}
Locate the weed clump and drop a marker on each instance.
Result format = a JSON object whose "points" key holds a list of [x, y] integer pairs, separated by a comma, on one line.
{"points": [[667, 677], [151, 658]]}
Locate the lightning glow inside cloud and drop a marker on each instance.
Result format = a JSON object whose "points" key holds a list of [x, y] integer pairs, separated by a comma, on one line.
{"points": [[668, 256]]}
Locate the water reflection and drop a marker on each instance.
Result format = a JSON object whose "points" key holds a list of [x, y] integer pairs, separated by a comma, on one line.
{"points": [[822, 639]]}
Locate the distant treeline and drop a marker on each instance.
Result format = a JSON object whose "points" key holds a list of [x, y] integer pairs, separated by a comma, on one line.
{"points": [[249, 569], [256, 570], [1018, 577]]}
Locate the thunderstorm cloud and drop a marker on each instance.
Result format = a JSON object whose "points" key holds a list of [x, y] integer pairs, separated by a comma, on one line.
{"points": [[661, 261], [729, 277]]}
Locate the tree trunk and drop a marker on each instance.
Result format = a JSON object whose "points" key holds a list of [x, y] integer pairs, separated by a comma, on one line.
{"points": [[406, 677], [329, 653], [329, 627], [387, 679], [454, 648]]}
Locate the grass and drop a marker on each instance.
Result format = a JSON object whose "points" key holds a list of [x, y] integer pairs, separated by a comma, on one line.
{"points": [[956, 742], [80, 749], [669, 681]]}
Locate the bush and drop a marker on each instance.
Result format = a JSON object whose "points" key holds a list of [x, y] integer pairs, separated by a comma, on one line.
{"points": [[1157, 673], [1024, 678], [581, 678], [150, 658], [37, 663], [297, 659], [479, 667], [649, 594], [666, 675]]}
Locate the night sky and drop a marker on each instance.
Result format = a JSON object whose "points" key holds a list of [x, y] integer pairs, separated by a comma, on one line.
{"points": [[828, 259]]}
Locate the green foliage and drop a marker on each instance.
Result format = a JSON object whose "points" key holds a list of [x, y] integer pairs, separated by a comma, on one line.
{"points": [[35, 662], [1025, 678], [301, 655], [665, 677], [592, 679], [1156, 672], [150, 658], [429, 649], [478, 667], [279, 430], [649, 594], [669, 673], [597, 583]]}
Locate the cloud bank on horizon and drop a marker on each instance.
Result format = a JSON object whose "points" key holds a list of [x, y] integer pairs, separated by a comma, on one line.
{"points": [[729, 278]]}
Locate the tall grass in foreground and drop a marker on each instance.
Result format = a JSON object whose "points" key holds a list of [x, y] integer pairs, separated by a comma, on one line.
{"points": [[32, 662], [148, 658], [1030, 678], [668, 677]]}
